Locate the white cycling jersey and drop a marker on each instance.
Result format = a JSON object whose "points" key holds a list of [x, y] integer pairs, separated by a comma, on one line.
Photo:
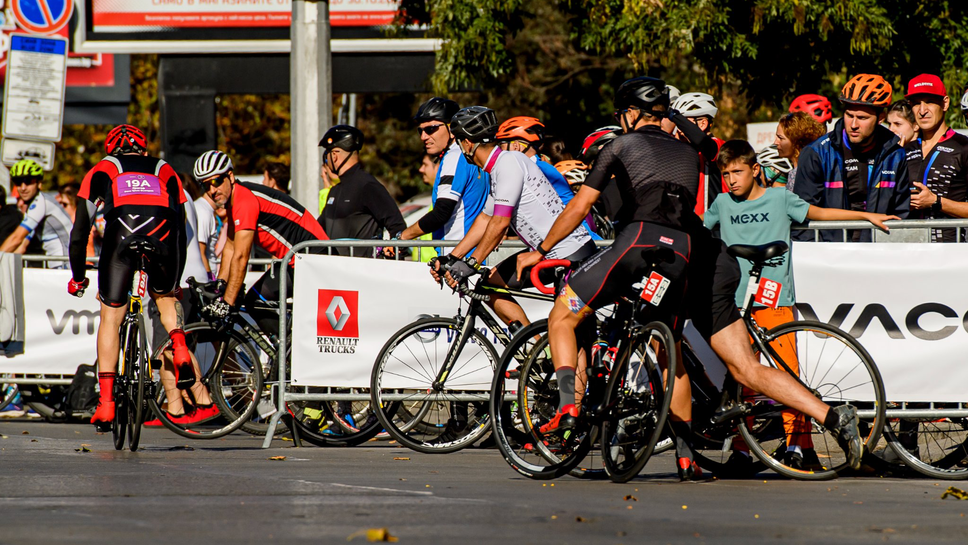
{"points": [[520, 190], [47, 219]]}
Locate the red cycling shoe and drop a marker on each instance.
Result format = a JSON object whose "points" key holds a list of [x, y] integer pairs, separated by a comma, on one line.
{"points": [[689, 470], [182, 358], [565, 419], [198, 416], [104, 414]]}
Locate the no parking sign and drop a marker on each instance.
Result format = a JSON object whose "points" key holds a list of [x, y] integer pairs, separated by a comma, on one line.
{"points": [[42, 16]]}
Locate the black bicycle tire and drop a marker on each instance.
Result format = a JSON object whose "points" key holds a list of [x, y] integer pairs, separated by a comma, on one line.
{"points": [[236, 420], [136, 387], [268, 384], [940, 469], [362, 435], [8, 392], [119, 423], [502, 418], [613, 398], [876, 426], [386, 420]]}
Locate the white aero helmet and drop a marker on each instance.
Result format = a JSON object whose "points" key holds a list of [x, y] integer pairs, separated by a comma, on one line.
{"points": [[696, 105], [770, 157], [211, 163], [964, 102]]}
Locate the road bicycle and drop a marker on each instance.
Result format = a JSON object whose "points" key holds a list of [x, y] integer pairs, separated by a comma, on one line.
{"points": [[830, 364]]}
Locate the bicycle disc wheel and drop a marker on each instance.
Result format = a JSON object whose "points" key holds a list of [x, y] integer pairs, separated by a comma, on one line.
{"points": [[524, 396], [140, 372], [933, 446], [335, 423], [637, 402], [418, 411], [230, 370], [836, 369]]}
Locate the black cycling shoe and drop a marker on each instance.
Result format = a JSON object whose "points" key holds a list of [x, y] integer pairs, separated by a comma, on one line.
{"points": [[793, 460], [847, 434], [738, 465], [811, 462]]}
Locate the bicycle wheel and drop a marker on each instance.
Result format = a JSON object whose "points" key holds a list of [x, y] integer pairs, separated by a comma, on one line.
{"points": [[524, 396], [933, 446], [230, 370], [452, 413], [836, 369], [8, 392], [637, 402], [119, 425], [335, 423], [140, 372]]}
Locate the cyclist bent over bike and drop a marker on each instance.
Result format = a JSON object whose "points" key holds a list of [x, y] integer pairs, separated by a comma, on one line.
{"points": [[142, 200], [657, 177]]}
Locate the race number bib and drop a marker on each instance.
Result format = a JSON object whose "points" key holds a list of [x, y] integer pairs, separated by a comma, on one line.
{"points": [[655, 288], [769, 293]]}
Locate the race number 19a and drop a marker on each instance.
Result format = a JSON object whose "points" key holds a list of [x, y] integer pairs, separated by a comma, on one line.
{"points": [[768, 294]]}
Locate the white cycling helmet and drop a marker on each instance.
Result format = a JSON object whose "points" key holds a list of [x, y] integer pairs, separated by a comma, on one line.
{"points": [[673, 94], [211, 163], [696, 105], [770, 157], [964, 102]]}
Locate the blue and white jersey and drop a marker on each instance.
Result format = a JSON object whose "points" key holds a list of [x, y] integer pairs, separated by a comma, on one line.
{"points": [[47, 220], [464, 183]]}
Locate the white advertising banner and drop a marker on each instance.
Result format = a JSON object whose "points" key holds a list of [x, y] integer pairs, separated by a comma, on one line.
{"points": [[761, 135], [905, 303], [60, 330], [345, 310]]}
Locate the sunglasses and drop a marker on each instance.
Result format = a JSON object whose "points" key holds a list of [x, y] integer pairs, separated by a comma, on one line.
{"points": [[25, 181], [216, 182], [429, 130]]}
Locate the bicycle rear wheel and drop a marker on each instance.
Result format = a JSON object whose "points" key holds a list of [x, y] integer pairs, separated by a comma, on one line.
{"points": [[836, 369], [335, 423], [933, 446], [637, 402], [140, 372], [127, 358], [524, 396], [418, 411]]}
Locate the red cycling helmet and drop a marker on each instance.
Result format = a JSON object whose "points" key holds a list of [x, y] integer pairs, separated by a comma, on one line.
{"points": [[817, 106], [595, 141], [125, 139]]}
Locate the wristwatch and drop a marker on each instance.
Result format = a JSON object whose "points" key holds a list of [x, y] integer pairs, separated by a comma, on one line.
{"points": [[473, 263], [936, 207]]}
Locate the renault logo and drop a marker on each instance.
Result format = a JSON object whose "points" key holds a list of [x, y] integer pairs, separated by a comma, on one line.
{"points": [[337, 321]]}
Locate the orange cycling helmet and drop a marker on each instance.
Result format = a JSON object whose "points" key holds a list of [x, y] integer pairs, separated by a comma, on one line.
{"points": [[573, 171], [867, 90], [529, 129]]}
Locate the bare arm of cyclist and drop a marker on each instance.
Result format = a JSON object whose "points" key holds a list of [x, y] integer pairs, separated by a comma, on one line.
{"points": [[242, 246], [473, 237], [494, 233]]}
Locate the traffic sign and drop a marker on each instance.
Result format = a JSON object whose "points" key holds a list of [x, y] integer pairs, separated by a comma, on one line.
{"points": [[33, 105], [42, 16], [42, 153]]}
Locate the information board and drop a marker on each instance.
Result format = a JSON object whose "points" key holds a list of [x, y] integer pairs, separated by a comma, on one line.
{"points": [[33, 106]]}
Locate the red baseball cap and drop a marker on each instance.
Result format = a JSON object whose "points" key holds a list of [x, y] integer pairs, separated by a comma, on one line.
{"points": [[926, 84]]}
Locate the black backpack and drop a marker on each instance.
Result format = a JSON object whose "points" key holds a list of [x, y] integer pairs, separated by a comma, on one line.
{"points": [[82, 394]]}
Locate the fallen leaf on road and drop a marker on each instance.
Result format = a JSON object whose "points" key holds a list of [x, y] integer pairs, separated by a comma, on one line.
{"points": [[373, 534], [581, 519], [287, 438], [631, 498], [400, 458], [2, 436], [82, 449], [33, 440], [277, 458], [956, 493], [25, 432]]}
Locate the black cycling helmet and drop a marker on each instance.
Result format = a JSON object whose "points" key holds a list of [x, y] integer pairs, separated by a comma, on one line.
{"points": [[345, 137], [644, 93], [436, 109], [475, 124]]}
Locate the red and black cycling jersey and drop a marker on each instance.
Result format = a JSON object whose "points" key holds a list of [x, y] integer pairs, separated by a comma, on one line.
{"points": [[278, 220], [657, 176], [132, 180], [944, 171]]}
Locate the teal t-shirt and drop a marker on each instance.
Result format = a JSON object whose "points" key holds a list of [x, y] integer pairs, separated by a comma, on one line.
{"points": [[756, 222]]}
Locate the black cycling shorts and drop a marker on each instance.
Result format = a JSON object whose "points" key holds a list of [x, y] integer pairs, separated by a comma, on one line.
{"points": [[116, 266], [611, 273], [714, 276]]}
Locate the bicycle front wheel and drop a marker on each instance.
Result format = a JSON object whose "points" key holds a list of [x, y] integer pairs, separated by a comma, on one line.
{"points": [[419, 404], [934, 446], [837, 370], [637, 402], [139, 373], [343, 423]]}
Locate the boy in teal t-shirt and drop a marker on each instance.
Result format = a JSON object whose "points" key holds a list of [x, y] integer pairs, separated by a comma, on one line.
{"points": [[751, 214]]}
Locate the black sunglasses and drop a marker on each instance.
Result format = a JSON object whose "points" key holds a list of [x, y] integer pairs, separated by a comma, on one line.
{"points": [[429, 130]]}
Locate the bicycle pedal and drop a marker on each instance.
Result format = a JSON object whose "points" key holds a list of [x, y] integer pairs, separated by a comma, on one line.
{"points": [[726, 415]]}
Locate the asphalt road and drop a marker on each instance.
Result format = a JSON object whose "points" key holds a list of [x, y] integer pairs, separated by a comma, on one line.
{"points": [[178, 492]]}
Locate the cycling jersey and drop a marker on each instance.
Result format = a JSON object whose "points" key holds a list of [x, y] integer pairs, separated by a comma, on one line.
{"points": [[463, 189], [521, 192], [563, 188], [945, 173], [656, 174], [48, 222], [278, 220], [141, 198], [359, 207]]}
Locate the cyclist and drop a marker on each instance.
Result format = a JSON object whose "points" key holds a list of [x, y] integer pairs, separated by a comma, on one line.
{"points": [[459, 189], [610, 203], [45, 222], [773, 168], [658, 177], [255, 213], [521, 197], [701, 110], [574, 172], [859, 165], [358, 207], [817, 106], [142, 200], [937, 161]]}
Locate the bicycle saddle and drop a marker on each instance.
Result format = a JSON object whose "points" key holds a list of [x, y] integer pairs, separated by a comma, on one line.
{"points": [[761, 253], [139, 246]]}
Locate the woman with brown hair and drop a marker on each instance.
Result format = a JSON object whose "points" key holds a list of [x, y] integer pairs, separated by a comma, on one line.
{"points": [[795, 132]]}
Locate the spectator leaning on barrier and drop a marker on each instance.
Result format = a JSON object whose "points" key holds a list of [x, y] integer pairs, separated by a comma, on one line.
{"points": [[10, 216], [860, 165], [276, 176], [794, 132], [45, 222], [359, 207], [460, 188], [937, 162], [900, 119]]}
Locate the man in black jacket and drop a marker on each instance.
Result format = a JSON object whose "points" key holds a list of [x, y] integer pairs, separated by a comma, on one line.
{"points": [[10, 217], [358, 206]]}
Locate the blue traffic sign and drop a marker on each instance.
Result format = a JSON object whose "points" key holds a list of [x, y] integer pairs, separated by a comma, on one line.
{"points": [[42, 16]]}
